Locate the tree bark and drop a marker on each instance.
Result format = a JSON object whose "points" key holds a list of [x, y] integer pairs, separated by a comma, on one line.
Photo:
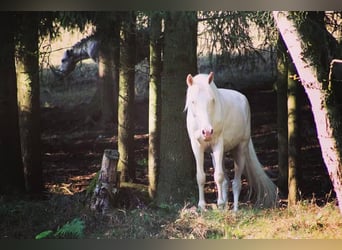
{"points": [[108, 30], [126, 163], [322, 113], [12, 174], [154, 102], [293, 140], [281, 84], [176, 180], [107, 184], [27, 71]]}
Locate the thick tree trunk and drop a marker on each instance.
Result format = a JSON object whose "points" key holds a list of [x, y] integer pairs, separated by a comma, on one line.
{"points": [[307, 71], [176, 180], [28, 97], [282, 65], [154, 102], [11, 167], [108, 29], [126, 163]]}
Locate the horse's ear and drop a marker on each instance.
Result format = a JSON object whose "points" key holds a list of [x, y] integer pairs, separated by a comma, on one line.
{"points": [[211, 77], [69, 52], [189, 80]]}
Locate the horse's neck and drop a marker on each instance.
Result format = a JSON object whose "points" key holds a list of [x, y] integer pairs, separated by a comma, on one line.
{"points": [[86, 48]]}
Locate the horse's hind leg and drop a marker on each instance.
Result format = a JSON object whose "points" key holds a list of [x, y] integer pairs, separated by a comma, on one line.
{"points": [[225, 185], [239, 164]]}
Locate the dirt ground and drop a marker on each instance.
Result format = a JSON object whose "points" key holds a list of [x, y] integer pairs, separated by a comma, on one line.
{"points": [[73, 146]]}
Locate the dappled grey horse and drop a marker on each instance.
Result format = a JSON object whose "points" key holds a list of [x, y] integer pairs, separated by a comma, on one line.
{"points": [[86, 48], [89, 47]]}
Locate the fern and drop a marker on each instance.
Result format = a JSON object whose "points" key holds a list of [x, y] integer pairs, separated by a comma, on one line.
{"points": [[44, 235], [73, 229], [92, 185]]}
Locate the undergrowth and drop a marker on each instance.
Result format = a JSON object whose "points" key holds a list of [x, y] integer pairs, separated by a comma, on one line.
{"points": [[70, 217], [73, 229]]}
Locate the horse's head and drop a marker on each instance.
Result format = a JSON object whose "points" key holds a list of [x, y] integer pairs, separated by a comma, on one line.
{"points": [[68, 62], [202, 104]]}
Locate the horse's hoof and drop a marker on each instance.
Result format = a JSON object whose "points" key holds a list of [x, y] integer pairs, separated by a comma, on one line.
{"points": [[202, 206], [222, 205]]}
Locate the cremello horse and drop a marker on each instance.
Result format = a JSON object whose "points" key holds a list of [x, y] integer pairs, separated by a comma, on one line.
{"points": [[218, 120]]}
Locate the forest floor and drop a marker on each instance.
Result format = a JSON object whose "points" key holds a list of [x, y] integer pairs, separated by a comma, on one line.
{"points": [[73, 144]]}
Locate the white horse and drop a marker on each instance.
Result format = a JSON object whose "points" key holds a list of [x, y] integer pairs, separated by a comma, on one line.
{"points": [[219, 120]]}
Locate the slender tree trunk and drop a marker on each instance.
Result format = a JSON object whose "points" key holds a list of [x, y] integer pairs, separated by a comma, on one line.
{"points": [[11, 167], [176, 180], [293, 142], [154, 102], [282, 65], [323, 114], [28, 97], [126, 163]]}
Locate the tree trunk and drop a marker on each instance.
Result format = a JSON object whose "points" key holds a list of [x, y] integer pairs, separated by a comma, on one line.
{"points": [[107, 184], [108, 29], [12, 174], [126, 163], [28, 98], [176, 180], [154, 102], [323, 114], [282, 65], [293, 142]]}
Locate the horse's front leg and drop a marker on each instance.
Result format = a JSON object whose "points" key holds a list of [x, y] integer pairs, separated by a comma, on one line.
{"points": [[219, 175], [200, 174]]}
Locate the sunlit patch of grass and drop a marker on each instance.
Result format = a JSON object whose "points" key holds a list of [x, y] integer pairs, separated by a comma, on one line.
{"points": [[77, 88], [303, 221]]}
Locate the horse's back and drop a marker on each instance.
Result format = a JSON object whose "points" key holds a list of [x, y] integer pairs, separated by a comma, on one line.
{"points": [[236, 118], [236, 101]]}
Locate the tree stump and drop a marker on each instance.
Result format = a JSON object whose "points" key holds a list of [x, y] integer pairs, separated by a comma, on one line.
{"points": [[108, 182]]}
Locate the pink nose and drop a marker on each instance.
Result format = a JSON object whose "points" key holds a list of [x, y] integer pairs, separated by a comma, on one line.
{"points": [[207, 133]]}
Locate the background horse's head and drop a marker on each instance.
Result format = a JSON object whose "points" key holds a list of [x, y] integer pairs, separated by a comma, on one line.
{"points": [[68, 62], [202, 104], [86, 48]]}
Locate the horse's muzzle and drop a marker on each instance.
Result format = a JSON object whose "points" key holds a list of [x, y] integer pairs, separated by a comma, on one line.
{"points": [[207, 134]]}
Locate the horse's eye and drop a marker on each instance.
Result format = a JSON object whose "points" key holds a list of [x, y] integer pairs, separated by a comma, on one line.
{"points": [[63, 60]]}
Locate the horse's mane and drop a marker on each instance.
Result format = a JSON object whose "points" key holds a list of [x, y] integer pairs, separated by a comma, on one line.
{"points": [[84, 40]]}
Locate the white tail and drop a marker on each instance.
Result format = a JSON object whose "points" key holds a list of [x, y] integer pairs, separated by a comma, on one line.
{"points": [[262, 190]]}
